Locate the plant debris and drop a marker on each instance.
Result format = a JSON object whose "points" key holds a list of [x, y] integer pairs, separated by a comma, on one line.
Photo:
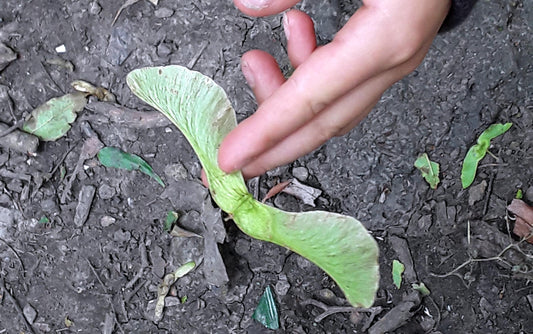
{"points": [[6, 56], [305, 193], [213, 266], [116, 158], [51, 120], [397, 271], [523, 214], [17, 140], [170, 220], [164, 287], [85, 200], [276, 190], [100, 93], [266, 311], [429, 170]]}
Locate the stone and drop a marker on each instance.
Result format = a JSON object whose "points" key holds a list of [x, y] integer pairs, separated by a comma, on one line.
{"points": [[300, 173], [107, 221], [29, 313], [105, 191], [476, 193]]}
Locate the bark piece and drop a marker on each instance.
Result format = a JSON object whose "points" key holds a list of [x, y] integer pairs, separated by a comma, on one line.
{"points": [[18, 140], [85, 200]]}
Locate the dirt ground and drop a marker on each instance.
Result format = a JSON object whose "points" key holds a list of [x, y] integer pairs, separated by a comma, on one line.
{"points": [[102, 274]]}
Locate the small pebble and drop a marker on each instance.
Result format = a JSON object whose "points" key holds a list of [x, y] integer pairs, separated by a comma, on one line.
{"points": [[106, 221], [301, 173], [476, 193], [29, 313], [105, 191], [94, 8], [163, 13], [61, 48], [282, 286], [176, 171]]}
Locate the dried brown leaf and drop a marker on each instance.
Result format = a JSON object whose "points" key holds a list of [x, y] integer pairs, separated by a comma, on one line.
{"points": [[523, 226], [276, 190]]}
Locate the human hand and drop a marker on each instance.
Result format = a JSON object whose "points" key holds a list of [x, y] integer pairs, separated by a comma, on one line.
{"points": [[333, 87]]}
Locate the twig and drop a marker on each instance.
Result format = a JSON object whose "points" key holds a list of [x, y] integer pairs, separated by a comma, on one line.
{"points": [[197, 56], [16, 254], [134, 291], [16, 305], [124, 6], [96, 274], [144, 264], [489, 192], [437, 322], [109, 299], [105, 112], [329, 310], [493, 165], [12, 128], [493, 258], [60, 90]]}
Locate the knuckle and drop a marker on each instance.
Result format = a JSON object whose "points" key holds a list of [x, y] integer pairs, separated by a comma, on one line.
{"points": [[327, 131]]}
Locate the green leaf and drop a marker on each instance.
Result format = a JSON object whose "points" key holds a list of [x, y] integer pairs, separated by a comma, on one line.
{"points": [[429, 170], [478, 151], [44, 220], [266, 312], [116, 158], [338, 244], [52, 119], [172, 217], [519, 194], [424, 291], [397, 271]]}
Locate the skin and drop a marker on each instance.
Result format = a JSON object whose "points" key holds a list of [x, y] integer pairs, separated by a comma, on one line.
{"points": [[333, 87]]}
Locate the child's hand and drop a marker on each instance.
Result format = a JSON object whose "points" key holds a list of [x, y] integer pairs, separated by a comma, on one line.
{"points": [[333, 87]]}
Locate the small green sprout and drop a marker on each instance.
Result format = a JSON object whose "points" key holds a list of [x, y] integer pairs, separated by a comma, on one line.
{"points": [[478, 151], [397, 271], [429, 170]]}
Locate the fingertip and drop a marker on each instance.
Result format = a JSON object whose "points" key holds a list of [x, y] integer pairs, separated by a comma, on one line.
{"points": [[262, 73], [263, 7], [300, 33], [227, 161]]}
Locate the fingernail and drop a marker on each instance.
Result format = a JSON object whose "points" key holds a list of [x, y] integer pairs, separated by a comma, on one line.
{"points": [[286, 25], [256, 4], [248, 74]]}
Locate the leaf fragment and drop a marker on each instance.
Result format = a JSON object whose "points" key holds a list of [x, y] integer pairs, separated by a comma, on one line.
{"points": [[429, 170], [275, 190], [51, 120], [170, 220], [397, 271], [100, 93], [116, 158], [523, 214], [478, 152], [266, 311], [421, 287]]}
